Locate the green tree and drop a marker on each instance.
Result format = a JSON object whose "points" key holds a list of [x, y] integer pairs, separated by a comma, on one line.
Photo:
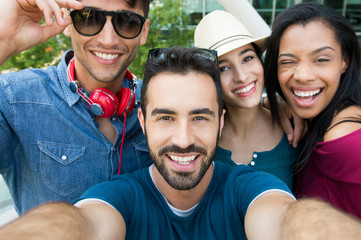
{"points": [[39, 56], [169, 26]]}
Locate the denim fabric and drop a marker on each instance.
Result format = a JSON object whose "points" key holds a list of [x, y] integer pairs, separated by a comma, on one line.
{"points": [[50, 147]]}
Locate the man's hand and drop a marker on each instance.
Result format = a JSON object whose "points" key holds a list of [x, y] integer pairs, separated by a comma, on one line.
{"points": [[313, 219], [20, 27], [59, 221]]}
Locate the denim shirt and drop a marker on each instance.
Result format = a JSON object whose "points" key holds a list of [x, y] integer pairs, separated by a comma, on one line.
{"points": [[50, 146]]}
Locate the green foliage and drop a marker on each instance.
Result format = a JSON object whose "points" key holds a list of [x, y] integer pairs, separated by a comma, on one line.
{"points": [[169, 26], [39, 56]]}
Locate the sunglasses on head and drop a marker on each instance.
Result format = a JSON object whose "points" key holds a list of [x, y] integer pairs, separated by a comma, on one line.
{"points": [[203, 52], [90, 21]]}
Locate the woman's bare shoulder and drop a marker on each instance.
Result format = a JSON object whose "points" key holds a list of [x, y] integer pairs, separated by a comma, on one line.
{"points": [[345, 122]]}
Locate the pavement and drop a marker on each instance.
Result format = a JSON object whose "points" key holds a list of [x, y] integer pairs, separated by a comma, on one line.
{"points": [[7, 214], [7, 210]]}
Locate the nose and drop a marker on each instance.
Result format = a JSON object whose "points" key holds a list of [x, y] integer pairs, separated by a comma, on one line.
{"points": [[239, 74], [304, 72], [182, 135], [108, 37]]}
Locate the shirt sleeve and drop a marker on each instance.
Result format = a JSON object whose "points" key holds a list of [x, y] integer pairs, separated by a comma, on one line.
{"points": [[118, 193], [249, 185]]}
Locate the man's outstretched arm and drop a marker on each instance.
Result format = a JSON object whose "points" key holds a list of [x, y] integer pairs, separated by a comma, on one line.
{"points": [[274, 216], [91, 221], [313, 219], [20, 27]]}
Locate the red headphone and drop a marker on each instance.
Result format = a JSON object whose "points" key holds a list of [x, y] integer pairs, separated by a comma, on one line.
{"points": [[103, 102]]}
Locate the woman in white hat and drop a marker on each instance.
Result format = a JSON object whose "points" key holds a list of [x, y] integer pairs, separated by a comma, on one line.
{"points": [[249, 135]]}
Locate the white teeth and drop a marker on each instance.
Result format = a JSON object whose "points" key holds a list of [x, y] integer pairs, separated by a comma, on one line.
{"points": [[182, 160], [245, 90], [106, 56], [306, 94]]}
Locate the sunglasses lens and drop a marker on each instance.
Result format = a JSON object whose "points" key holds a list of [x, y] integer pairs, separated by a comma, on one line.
{"points": [[128, 25], [88, 22], [157, 53], [207, 54], [200, 52]]}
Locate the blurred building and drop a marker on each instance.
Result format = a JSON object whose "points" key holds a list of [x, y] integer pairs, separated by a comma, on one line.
{"points": [[269, 9]]}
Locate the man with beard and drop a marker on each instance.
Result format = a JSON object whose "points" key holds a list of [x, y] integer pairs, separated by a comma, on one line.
{"points": [[184, 195]]}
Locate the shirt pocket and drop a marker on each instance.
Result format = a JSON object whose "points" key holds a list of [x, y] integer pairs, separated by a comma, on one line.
{"points": [[62, 166]]}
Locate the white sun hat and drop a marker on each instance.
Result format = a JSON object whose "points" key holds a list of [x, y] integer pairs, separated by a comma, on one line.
{"points": [[223, 32]]}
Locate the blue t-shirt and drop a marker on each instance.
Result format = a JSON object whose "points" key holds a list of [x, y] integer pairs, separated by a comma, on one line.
{"points": [[219, 215], [277, 161]]}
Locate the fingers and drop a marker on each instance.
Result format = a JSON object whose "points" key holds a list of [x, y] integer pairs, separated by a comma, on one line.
{"points": [[285, 119], [53, 8], [75, 4], [266, 103], [299, 124], [54, 29], [287, 127], [294, 126]]}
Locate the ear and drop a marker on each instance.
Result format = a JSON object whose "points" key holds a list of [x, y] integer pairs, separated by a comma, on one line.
{"points": [[221, 122], [144, 35], [141, 119], [345, 62]]}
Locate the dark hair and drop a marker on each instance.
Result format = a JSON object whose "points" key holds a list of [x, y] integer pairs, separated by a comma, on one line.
{"points": [[258, 52], [144, 5], [349, 90], [181, 61]]}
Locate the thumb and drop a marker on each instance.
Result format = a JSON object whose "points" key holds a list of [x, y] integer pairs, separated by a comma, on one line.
{"points": [[50, 31]]}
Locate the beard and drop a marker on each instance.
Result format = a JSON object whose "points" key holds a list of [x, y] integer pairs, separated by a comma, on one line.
{"points": [[177, 179]]}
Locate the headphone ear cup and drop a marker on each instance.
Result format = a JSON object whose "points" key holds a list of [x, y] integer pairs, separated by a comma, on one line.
{"points": [[127, 100], [105, 100]]}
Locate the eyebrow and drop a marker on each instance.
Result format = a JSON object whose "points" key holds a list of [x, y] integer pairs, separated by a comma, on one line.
{"points": [[321, 49], [162, 111], [202, 111], [313, 52], [193, 112], [240, 54]]}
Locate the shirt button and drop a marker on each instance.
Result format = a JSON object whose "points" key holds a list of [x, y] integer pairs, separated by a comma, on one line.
{"points": [[253, 163], [114, 118], [114, 149], [255, 155], [64, 157]]}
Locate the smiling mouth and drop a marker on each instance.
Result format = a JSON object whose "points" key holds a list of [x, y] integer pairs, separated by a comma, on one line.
{"points": [[245, 89], [105, 56], [306, 95], [182, 160]]}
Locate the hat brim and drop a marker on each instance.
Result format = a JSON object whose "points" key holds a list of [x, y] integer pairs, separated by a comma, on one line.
{"points": [[237, 43]]}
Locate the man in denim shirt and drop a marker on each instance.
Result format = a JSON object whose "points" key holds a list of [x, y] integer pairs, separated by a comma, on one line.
{"points": [[53, 145]]}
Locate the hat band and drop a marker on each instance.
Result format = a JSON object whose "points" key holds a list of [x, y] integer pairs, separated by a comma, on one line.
{"points": [[228, 40]]}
